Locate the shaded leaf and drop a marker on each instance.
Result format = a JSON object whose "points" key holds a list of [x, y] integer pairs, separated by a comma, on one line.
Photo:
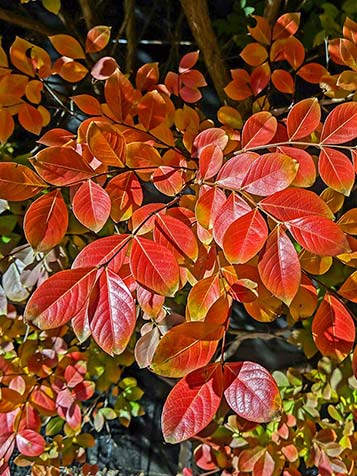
{"points": [[106, 143], [68, 46], [97, 38]]}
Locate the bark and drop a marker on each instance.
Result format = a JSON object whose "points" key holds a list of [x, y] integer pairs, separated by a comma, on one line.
{"points": [[197, 15], [88, 13], [130, 32], [26, 23]]}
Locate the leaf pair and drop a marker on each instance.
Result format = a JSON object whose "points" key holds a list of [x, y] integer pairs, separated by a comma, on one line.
{"points": [[248, 388]]}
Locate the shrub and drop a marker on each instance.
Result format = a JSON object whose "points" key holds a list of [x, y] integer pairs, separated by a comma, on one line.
{"points": [[255, 210]]}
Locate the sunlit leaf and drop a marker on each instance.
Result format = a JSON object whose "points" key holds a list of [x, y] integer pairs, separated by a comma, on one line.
{"points": [[46, 221], [91, 205], [154, 266], [333, 328], [18, 182], [303, 118], [336, 170], [192, 404], [97, 38], [186, 347], [279, 266], [340, 125], [251, 391]]}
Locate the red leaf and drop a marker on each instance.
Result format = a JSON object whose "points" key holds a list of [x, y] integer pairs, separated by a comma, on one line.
{"points": [[188, 61], [210, 161], [152, 110], [260, 77], [251, 391], [306, 174], [233, 208], [46, 221], [126, 195], [91, 205], [293, 203], [192, 404], [333, 328], [30, 443], [168, 180], [283, 81], [111, 313], [286, 25], [213, 136], [103, 69], [60, 297], [176, 236], [265, 465], [336, 170], [279, 267], [186, 347], [106, 143], [208, 206], [340, 125], [234, 170], [303, 118], [259, 130], [269, 174], [319, 235], [18, 182], [110, 250], [61, 166], [154, 267], [97, 38], [245, 237]]}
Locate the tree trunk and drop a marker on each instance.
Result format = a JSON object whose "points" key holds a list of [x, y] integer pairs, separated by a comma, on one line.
{"points": [[200, 24]]}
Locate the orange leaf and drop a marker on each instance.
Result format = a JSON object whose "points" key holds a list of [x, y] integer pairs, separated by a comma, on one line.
{"points": [[151, 110], [97, 38], [303, 118], [68, 46], [126, 195], [283, 81], [61, 166], [286, 25], [88, 104], [261, 31], [106, 143], [185, 348], [254, 54], [30, 118], [349, 288], [7, 125], [18, 182]]}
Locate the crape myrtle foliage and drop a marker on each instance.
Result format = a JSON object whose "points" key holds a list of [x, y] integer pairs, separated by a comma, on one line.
{"points": [[239, 220], [317, 424]]}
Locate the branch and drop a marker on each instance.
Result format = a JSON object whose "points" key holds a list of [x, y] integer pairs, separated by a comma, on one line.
{"points": [[197, 15], [130, 32], [26, 23], [88, 13], [271, 10]]}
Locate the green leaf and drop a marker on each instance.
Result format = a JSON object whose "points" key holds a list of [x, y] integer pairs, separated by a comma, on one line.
{"points": [[53, 6], [54, 426]]}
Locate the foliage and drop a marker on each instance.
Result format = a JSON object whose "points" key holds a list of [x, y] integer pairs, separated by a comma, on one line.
{"points": [[317, 426], [238, 218]]}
